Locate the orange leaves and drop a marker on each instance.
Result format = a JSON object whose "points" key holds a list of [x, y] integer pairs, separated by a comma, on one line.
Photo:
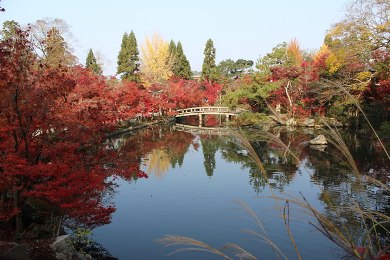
{"points": [[294, 53]]}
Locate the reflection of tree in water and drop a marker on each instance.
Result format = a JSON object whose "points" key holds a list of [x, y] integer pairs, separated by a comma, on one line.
{"points": [[280, 166], [158, 162], [158, 147], [177, 144], [233, 152], [210, 145], [342, 190], [365, 149]]}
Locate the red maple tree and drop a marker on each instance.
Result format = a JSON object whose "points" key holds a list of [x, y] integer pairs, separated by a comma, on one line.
{"points": [[52, 125]]}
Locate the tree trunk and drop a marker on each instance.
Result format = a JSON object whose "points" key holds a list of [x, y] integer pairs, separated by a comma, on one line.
{"points": [[288, 96], [18, 217]]}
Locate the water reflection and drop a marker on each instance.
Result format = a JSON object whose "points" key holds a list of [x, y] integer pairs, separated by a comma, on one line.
{"points": [[158, 162], [322, 177]]}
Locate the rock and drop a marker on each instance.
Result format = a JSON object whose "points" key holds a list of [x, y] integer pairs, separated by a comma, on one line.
{"points": [[291, 122], [319, 140], [13, 251], [333, 122], [290, 128], [309, 122], [65, 250], [318, 147]]}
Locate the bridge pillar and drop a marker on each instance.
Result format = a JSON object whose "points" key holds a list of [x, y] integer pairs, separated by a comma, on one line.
{"points": [[227, 118], [200, 120]]}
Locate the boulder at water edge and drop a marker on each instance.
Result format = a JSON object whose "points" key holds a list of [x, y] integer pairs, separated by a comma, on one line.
{"points": [[65, 250], [319, 140]]}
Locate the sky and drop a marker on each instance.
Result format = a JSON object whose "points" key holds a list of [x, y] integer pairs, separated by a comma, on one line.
{"points": [[240, 29]]}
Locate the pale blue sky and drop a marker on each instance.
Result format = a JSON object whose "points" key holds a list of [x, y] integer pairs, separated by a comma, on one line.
{"points": [[244, 29]]}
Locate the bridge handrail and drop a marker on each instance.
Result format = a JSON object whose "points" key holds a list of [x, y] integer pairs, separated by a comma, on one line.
{"points": [[204, 109]]}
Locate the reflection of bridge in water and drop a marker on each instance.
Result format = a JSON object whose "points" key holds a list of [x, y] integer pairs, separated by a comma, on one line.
{"points": [[203, 130], [200, 111]]}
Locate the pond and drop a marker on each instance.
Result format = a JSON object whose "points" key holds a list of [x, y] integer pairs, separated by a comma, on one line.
{"points": [[204, 184]]}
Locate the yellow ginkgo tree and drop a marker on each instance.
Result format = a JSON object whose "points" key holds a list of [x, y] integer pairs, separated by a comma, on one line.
{"points": [[156, 61]]}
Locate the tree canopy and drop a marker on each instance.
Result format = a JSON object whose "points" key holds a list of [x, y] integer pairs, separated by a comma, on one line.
{"points": [[128, 58], [208, 67], [181, 66], [10, 29], [51, 40], [156, 61], [232, 69]]}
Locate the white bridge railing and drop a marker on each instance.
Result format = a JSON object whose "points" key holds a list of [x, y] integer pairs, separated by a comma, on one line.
{"points": [[206, 110]]}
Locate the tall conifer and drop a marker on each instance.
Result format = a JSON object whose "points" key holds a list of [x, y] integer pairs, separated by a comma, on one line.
{"points": [[172, 51], [172, 48], [184, 68], [208, 67], [128, 59]]}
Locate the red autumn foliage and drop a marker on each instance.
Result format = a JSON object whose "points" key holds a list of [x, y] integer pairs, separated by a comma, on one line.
{"points": [[185, 93], [51, 120], [212, 91], [296, 84], [279, 73], [130, 100]]}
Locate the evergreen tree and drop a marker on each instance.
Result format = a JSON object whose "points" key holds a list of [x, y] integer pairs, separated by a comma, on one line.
{"points": [[209, 147], [128, 60], [56, 50], [173, 52], [182, 63], [92, 64], [208, 67], [172, 48]]}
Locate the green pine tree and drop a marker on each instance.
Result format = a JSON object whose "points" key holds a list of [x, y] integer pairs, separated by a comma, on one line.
{"points": [[92, 64], [172, 48], [128, 59], [172, 51], [183, 65], [209, 147], [208, 67]]}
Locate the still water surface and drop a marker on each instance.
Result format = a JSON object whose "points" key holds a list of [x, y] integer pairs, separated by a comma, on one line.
{"points": [[196, 180]]}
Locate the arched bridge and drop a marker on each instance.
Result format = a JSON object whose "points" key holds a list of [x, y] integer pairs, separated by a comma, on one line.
{"points": [[211, 110]]}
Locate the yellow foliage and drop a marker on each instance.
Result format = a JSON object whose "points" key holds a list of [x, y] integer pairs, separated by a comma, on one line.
{"points": [[336, 30], [156, 61], [363, 76], [383, 27], [333, 63], [158, 162], [363, 80]]}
